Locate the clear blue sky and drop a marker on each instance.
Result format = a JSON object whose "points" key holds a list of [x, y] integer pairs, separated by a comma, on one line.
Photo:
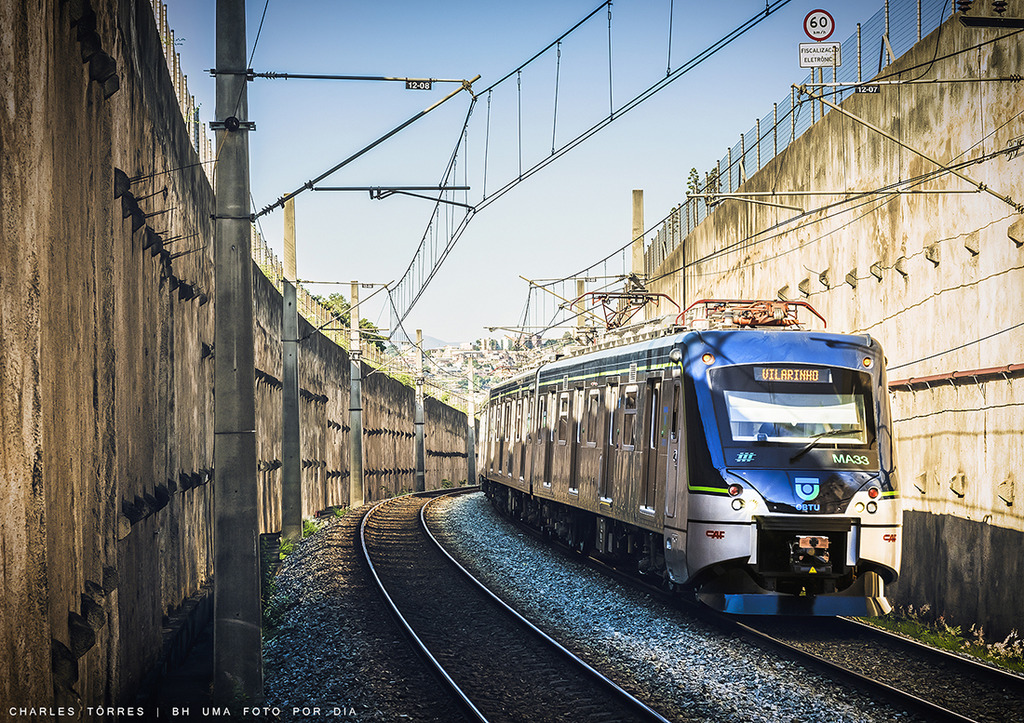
{"points": [[571, 213]]}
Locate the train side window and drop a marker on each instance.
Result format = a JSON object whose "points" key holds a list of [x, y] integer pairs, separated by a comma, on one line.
{"points": [[675, 412], [611, 395], [553, 406], [593, 416], [654, 417], [582, 420], [542, 417], [629, 404], [563, 418], [528, 417]]}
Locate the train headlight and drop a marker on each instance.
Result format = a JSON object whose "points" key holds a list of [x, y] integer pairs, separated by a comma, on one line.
{"points": [[859, 507], [867, 362], [708, 358], [872, 507], [737, 504], [873, 492], [735, 489]]}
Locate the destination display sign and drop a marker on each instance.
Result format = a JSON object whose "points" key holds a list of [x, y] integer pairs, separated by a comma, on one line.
{"points": [[810, 375]]}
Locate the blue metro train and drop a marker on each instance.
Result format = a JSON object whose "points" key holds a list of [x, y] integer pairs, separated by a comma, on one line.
{"points": [[739, 458]]}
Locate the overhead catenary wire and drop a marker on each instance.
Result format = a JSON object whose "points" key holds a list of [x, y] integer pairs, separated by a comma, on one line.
{"points": [[554, 112], [637, 100], [958, 348], [611, 100], [671, 8], [410, 297], [309, 184], [519, 99]]}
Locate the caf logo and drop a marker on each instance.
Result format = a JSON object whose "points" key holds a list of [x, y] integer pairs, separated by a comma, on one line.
{"points": [[807, 488]]}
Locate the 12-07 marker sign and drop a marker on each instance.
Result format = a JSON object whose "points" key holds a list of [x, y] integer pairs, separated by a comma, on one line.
{"points": [[819, 25]]}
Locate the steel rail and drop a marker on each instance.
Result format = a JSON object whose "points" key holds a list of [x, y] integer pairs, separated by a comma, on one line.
{"points": [[624, 697], [593, 672], [931, 711], [981, 667], [420, 645]]}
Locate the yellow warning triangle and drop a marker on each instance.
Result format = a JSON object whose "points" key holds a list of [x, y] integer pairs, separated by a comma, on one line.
{"points": [[813, 571]]}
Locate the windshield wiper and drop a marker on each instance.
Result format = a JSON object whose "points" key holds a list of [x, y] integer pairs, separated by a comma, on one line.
{"points": [[818, 437]]}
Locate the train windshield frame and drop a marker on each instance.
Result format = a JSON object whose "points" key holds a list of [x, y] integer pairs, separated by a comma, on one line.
{"points": [[786, 407]]}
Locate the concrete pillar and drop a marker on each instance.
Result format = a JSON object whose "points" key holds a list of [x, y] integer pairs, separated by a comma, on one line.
{"points": [[638, 233], [291, 440], [421, 456], [471, 430], [581, 305], [356, 494], [238, 665]]}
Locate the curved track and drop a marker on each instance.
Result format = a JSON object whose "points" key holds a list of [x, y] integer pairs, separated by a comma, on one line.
{"points": [[935, 684], [501, 667], [931, 683]]}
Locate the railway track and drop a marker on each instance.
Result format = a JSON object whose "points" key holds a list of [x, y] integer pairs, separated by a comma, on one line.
{"points": [[933, 683], [930, 683], [500, 667]]}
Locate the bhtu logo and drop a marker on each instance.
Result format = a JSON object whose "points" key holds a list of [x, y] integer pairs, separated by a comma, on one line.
{"points": [[807, 488]]}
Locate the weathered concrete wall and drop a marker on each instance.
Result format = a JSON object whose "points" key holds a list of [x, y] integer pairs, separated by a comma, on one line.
{"points": [[936, 277], [106, 443], [324, 386], [445, 442], [106, 374]]}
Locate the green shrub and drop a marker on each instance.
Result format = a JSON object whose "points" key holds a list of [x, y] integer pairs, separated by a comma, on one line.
{"points": [[922, 625]]}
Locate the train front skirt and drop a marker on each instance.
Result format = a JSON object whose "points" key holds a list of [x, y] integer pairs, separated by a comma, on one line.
{"points": [[735, 592]]}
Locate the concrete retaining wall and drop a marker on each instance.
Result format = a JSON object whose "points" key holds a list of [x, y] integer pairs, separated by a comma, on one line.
{"points": [[936, 277], [106, 374]]}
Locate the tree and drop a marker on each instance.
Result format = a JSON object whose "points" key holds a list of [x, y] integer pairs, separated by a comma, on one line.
{"points": [[693, 182], [339, 307]]}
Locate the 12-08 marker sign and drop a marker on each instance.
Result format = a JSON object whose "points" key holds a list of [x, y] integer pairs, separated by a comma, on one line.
{"points": [[819, 25]]}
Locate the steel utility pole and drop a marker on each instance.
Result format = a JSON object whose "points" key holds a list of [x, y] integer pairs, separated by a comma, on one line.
{"points": [[238, 665], [291, 439], [356, 496], [421, 457]]}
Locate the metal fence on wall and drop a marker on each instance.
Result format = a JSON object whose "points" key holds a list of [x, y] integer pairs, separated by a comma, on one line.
{"points": [[897, 26], [186, 101]]}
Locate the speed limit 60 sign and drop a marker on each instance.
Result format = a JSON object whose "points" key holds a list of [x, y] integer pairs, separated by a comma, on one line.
{"points": [[819, 25]]}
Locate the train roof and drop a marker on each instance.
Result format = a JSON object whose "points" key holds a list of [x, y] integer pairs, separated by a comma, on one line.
{"points": [[722, 319]]}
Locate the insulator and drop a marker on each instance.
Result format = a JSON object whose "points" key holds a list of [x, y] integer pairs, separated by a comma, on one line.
{"points": [[999, 6], [964, 5]]}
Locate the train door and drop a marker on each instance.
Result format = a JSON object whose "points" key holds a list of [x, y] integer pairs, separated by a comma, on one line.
{"points": [[655, 453], [564, 436], [549, 438], [516, 443], [604, 476], [499, 437], [675, 417], [575, 441], [525, 435], [507, 440], [539, 439]]}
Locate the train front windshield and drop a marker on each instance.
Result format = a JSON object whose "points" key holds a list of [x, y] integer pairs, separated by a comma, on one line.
{"points": [[784, 406], [794, 418]]}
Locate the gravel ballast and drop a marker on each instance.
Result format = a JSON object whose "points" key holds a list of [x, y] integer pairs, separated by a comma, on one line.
{"points": [[680, 666], [337, 653]]}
